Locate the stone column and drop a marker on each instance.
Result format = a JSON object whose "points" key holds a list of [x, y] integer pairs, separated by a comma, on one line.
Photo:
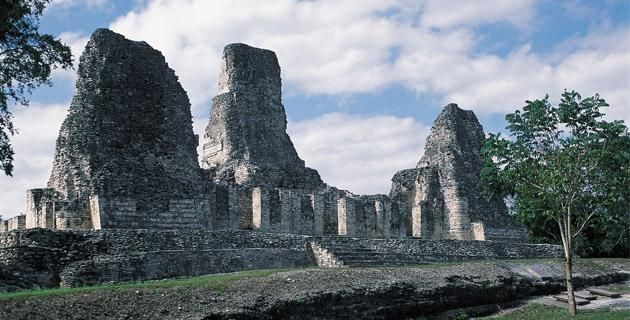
{"points": [[458, 216], [370, 220], [346, 222], [297, 218], [416, 198], [245, 216], [98, 213], [286, 221], [32, 207], [260, 209], [233, 208], [319, 205], [383, 219], [399, 229], [307, 214]]}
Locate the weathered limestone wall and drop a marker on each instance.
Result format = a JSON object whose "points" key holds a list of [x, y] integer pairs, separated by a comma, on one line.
{"points": [[47, 258], [426, 251], [327, 212], [246, 141], [442, 195], [126, 154], [126, 158], [15, 223], [40, 208]]}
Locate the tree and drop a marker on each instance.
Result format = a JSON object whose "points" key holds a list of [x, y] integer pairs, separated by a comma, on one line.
{"points": [[26, 61], [563, 165]]}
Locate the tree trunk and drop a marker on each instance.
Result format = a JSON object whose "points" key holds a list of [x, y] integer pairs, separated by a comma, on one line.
{"points": [[568, 269]]}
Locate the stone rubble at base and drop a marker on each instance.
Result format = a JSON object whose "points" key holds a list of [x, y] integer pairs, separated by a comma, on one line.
{"points": [[126, 159]]}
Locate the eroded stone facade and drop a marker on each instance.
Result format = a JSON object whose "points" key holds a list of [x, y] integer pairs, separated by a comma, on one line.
{"points": [[126, 153], [442, 195], [246, 141], [126, 158]]}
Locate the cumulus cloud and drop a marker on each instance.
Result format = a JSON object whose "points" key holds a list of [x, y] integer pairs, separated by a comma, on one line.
{"points": [[325, 47], [359, 153], [340, 48], [34, 148], [456, 13], [76, 41], [597, 64]]}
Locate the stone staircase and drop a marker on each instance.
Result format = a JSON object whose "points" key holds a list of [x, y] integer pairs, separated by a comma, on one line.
{"points": [[352, 252]]}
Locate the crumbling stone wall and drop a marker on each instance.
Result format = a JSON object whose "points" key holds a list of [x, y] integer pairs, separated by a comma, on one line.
{"points": [[442, 195], [48, 258], [126, 158], [14, 223], [42, 207], [246, 141], [126, 154], [45, 258]]}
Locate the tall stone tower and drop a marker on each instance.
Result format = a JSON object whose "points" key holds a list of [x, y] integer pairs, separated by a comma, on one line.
{"points": [[443, 193], [126, 154], [246, 141]]}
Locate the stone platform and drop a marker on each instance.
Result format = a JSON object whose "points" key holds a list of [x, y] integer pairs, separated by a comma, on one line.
{"points": [[36, 258]]}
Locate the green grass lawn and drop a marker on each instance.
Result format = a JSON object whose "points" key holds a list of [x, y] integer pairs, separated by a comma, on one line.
{"points": [[538, 311], [214, 281]]}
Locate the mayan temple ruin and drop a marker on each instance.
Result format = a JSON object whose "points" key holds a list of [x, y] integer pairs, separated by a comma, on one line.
{"points": [[126, 158], [127, 198]]}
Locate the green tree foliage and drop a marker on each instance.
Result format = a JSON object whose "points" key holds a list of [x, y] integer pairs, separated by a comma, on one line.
{"points": [[568, 171], [26, 61]]}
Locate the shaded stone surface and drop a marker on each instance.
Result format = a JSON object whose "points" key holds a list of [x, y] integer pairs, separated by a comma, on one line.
{"points": [[50, 258], [443, 193], [245, 141], [128, 137]]}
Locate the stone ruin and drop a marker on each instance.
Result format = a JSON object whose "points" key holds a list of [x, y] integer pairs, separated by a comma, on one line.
{"points": [[126, 158], [246, 142], [442, 193], [126, 154]]}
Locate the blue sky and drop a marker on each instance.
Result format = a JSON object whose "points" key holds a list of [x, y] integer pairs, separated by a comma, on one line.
{"points": [[362, 80]]}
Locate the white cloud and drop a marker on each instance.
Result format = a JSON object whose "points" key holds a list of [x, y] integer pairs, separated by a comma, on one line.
{"points": [[597, 64], [325, 47], [457, 13], [356, 152], [76, 42], [340, 48], [34, 148]]}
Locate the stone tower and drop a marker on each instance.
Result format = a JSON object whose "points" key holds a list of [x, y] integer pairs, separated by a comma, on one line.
{"points": [[246, 141], [443, 193], [126, 153]]}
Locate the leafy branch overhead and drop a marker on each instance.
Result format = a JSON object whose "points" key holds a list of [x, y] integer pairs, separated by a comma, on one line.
{"points": [[26, 61]]}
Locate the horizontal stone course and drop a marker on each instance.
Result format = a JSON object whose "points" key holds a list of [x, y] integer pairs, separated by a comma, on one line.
{"points": [[375, 252], [47, 258]]}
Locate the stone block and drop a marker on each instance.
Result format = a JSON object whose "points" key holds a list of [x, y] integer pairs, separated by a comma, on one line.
{"points": [[318, 204], [261, 209], [346, 216]]}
